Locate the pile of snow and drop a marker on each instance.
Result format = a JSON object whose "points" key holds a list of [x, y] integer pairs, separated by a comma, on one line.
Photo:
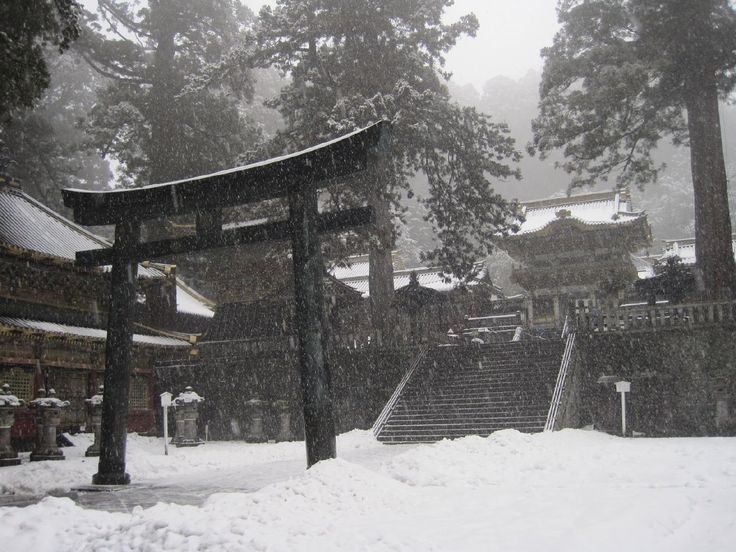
{"points": [[570, 490]]}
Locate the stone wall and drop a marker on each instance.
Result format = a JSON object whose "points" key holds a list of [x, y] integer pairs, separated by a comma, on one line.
{"points": [[683, 381], [362, 382]]}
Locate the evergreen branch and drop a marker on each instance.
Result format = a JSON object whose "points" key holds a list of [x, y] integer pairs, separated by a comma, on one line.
{"points": [[106, 6], [109, 73]]}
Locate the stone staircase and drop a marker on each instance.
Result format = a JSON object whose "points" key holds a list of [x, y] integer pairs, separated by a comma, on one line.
{"points": [[476, 390]]}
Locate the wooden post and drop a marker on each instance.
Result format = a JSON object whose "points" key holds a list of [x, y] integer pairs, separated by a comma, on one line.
{"points": [[309, 270], [118, 352]]}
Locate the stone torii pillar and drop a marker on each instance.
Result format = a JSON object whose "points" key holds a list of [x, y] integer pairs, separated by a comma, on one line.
{"points": [[319, 424], [118, 357]]}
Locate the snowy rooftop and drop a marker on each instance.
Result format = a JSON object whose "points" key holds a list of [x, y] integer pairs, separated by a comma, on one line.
{"points": [[358, 266], [358, 269], [591, 209], [685, 249], [189, 301], [644, 267], [428, 277], [28, 224], [84, 332]]}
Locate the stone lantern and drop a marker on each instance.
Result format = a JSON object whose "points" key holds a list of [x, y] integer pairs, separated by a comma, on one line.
{"points": [[94, 417], [47, 419], [283, 411], [186, 407], [254, 412], [8, 404]]}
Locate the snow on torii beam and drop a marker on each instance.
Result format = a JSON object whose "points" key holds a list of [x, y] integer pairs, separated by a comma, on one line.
{"points": [[268, 179], [296, 176]]}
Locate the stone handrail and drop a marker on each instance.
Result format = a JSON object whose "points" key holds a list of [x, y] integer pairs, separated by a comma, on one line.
{"points": [[561, 383], [386, 412]]}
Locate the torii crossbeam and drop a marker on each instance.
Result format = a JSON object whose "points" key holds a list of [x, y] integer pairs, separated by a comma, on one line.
{"points": [[298, 177]]}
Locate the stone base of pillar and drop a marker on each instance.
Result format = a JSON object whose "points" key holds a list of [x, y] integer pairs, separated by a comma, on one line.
{"points": [[47, 455], [10, 461], [187, 442], [111, 479]]}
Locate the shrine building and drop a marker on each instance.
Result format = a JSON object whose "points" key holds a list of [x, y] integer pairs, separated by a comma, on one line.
{"points": [[53, 313], [576, 252]]}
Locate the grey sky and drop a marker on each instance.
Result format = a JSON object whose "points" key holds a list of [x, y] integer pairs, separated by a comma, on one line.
{"points": [[511, 34]]}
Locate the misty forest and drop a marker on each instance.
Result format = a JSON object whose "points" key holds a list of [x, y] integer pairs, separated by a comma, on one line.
{"points": [[476, 259]]}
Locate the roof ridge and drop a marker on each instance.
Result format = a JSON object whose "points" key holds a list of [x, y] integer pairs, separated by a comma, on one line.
{"points": [[581, 198]]}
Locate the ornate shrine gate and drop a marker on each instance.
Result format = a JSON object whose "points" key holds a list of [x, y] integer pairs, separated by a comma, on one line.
{"points": [[297, 177]]}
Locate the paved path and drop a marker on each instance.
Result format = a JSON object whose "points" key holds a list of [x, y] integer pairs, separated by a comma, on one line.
{"points": [[194, 490]]}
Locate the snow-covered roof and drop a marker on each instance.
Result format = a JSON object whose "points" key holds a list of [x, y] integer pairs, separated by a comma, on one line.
{"points": [[358, 266], [90, 333], [28, 224], [189, 301], [598, 208], [685, 249], [644, 267], [358, 269], [428, 277]]}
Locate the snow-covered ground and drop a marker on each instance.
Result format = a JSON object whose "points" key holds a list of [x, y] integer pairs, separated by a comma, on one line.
{"points": [[571, 490]]}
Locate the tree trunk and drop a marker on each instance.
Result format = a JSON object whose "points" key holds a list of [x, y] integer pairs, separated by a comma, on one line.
{"points": [[713, 248], [380, 266], [163, 154]]}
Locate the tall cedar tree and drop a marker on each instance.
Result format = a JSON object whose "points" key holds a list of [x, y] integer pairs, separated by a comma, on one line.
{"points": [[353, 62], [26, 30], [48, 149], [177, 71], [622, 74]]}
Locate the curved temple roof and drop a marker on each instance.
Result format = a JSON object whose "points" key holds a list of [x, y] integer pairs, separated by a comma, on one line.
{"points": [[610, 208]]}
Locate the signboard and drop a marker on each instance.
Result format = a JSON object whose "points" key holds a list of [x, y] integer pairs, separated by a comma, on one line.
{"points": [[166, 399]]}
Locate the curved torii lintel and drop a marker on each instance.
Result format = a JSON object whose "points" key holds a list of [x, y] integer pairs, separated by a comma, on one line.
{"points": [[260, 181]]}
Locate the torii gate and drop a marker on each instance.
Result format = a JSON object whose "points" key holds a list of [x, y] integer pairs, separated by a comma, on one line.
{"points": [[297, 177]]}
